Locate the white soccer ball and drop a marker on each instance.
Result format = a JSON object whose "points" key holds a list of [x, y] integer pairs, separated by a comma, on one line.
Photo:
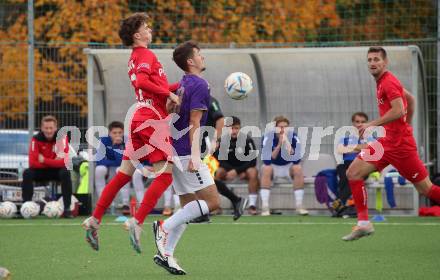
{"points": [[30, 209], [238, 85], [7, 209], [53, 209]]}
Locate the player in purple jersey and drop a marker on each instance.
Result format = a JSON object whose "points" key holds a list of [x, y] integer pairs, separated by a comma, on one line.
{"points": [[192, 180]]}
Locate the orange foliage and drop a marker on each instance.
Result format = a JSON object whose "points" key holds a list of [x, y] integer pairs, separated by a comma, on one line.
{"points": [[60, 64]]}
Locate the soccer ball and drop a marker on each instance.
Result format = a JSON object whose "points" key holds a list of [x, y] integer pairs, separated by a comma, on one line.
{"points": [[53, 209], [30, 209], [7, 209], [238, 85]]}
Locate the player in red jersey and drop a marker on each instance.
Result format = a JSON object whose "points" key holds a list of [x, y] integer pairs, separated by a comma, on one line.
{"points": [[149, 130], [396, 107]]}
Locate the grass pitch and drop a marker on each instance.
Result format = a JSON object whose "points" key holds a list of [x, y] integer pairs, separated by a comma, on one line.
{"points": [[276, 247]]}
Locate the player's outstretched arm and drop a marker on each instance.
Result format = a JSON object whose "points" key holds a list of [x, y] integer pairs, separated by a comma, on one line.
{"points": [[173, 87], [143, 82], [411, 105]]}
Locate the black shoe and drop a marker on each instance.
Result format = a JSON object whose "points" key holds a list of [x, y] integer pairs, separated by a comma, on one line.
{"points": [[125, 210], [239, 207], [201, 220], [67, 214]]}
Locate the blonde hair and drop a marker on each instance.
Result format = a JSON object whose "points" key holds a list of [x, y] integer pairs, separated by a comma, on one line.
{"points": [[279, 119], [49, 118]]}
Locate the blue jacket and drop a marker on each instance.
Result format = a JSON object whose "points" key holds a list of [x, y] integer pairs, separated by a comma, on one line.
{"points": [[270, 141], [113, 153]]}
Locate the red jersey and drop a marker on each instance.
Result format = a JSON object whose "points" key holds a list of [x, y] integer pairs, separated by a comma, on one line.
{"points": [[53, 152], [150, 82], [398, 132]]}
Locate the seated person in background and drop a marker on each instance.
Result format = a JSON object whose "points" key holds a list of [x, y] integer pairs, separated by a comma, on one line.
{"points": [[233, 168], [275, 165], [46, 162], [349, 147], [209, 145], [107, 166]]}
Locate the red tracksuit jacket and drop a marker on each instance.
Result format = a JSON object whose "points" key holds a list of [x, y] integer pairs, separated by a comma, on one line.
{"points": [[53, 152]]}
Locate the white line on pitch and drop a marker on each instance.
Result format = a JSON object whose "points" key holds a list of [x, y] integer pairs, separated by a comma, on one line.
{"points": [[231, 224]]}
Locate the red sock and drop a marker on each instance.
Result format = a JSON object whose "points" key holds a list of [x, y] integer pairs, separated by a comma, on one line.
{"points": [[152, 195], [434, 193], [360, 198], [109, 193]]}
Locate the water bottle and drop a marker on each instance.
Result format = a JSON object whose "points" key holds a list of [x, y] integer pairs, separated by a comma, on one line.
{"points": [[20, 171]]}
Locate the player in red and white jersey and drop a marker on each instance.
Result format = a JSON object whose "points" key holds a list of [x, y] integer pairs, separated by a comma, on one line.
{"points": [[149, 138], [396, 107]]}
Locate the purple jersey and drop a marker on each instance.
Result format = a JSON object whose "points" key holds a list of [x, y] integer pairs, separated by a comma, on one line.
{"points": [[194, 93]]}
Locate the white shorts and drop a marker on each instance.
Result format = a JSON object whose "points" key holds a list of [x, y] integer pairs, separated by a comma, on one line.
{"points": [[282, 171], [185, 182]]}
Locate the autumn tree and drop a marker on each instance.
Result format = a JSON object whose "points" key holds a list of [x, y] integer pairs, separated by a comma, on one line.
{"points": [[61, 28]]}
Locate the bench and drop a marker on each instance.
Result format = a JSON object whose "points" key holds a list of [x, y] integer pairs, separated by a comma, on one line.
{"points": [[282, 196]]}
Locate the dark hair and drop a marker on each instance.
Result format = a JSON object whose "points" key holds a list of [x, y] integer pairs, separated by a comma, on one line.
{"points": [[115, 124], [359, 114], [378, 50], [131, 25], [279, 119], [183, 52], [49, 118], [235, 121]]}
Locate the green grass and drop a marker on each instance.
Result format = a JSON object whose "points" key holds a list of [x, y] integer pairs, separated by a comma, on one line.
{"points": [[276, 247]]}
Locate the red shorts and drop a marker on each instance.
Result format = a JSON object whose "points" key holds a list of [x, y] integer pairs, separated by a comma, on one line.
{"points": [[407, 163], [150, 143]]}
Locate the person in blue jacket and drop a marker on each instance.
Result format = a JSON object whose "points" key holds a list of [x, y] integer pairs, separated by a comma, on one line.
{"points": [[281, 154], [106, 167], [349, 147]]}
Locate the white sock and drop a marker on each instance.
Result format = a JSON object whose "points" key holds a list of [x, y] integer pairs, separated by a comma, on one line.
{"points": [[253, 199], [100, 173], [299, 196], [192, 210], [168, 195], [173, 238], [363, 223], [176, 201], [265, 194], [138, 185]]}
